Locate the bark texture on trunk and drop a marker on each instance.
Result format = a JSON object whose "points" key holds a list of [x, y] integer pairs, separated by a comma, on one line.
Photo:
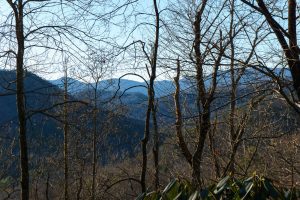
{"points": [[178, 124], [20, 97], [151, 107], [66, 136], [95, 124], [291, 48], [155, 149]]}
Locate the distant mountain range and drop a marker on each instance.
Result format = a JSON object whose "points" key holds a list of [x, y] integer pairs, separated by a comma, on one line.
{"points": [[76, 86], [133, 94], [44, 122], [121, 117], [165, 87], [42, 94]]}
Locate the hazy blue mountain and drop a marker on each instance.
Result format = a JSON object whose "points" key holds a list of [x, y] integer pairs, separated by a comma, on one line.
{"points": [[166, 87], [133, 94], [124, 114], [162, 87], [41, 129], [77, 86], [40, 95], [74, 85]]}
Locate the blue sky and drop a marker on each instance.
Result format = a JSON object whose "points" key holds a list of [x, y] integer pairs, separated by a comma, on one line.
{"points": [[119, 30], [115, 31]]}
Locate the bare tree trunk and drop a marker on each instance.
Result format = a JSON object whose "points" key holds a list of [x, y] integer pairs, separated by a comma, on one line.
{"points": [[197, 157], [213, 150], [47, 186], [18, 13], [145, 142], [150, 102], [78, 194], [66, 131], [155, 149], [22, 125], [156, 133], [291, 50], [233, 89], [36, 190], [95, 121], [204, 113], [178, 124], [294, 61]]}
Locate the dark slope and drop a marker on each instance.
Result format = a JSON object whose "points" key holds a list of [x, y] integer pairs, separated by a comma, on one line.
{"points": [[45, 131]]}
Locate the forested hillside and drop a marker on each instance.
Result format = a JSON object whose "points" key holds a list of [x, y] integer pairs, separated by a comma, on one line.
{"points": [[136, 99]]}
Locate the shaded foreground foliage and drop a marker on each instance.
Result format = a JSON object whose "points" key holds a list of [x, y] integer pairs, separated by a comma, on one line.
{"points": [[255, 187]]}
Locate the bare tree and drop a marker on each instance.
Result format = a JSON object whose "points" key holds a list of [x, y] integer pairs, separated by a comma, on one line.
{"points": [[19, 22], [236, 74], [288, 43], [97, 67], [212, 62], [66, 130], [151, 108], [201, 50], [33, 36]]}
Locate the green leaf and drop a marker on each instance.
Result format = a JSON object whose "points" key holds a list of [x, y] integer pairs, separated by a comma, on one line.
{"points": [[5, 182], [170, 186], [248, 188], [141, 196], [223, 181], [171, 191], [152, 196], [194, 196], [254, 188], [250, 179], [178, 196], [221, 185]]}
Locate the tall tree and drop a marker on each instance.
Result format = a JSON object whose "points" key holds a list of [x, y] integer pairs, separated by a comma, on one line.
{"points": [[287, 41], [38, 30], [204, 47], [19, 23], [96, 68], [66, 130], [151, 107]]}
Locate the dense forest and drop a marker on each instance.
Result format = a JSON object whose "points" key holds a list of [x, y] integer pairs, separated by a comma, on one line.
{"points": [[149, 99]]}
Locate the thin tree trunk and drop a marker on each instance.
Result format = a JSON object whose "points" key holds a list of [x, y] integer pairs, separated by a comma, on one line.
{"points": [[156, 133], [79, 189], [294, 61], [150, 100], [47, 186], [178, 124], [291, 50], [36, 190], [95, 115], [78, 194], [155, 148], [18, 12], [204, 113], [213, 150], [66, 131], [145, 142], [197, 157], [233, 91], [22, 126]]}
